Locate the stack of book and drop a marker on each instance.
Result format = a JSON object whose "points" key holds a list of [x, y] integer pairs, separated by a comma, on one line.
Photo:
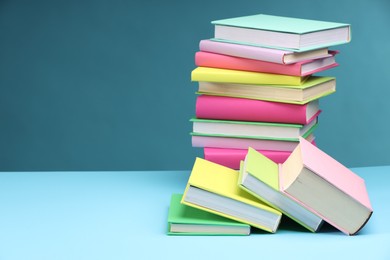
{"points": [[256, 85]]}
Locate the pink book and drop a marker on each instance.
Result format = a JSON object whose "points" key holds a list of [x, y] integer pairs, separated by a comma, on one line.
{"points": [[302, 68], [260, 53], [242, 109], [326, 187], [244, 143], [232, 157]]}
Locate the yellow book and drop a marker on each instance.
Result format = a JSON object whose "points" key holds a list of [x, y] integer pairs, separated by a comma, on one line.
{"points": [[214, 188], [206, 74]]}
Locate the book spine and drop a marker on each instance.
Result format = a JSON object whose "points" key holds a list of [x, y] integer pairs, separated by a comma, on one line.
{"points": [[244, 51], [207, 59], [242, 109]]}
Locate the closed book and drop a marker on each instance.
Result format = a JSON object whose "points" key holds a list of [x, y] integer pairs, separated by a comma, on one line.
{"points": [[326, 187], [254, 130], [243, 109], [232, 157], [314, 88], [282, 32], [243, 143], [185, 220], [260, 53], [213, 188], [260, 177], [244, 77], [302, 68]]}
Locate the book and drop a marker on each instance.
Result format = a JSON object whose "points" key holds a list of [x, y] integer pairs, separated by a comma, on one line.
{"points": [[243, 77], [281, 32], [243, 109], [260, 177], [232, 157], [260, 53], [326, 187], [213, 188], [302, 68], [314, 88], [255, 130], [243, 143], [185, 220]]}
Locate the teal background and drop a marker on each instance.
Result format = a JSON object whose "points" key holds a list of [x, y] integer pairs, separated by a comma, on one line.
{"points": [[105, 85]]}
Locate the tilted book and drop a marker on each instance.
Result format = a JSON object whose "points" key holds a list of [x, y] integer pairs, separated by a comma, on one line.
{"points": [[244, 77], [213, 188], [185, 220], [260, 53], [314, 88], [243, 109], [260, 177], [232, 157], [302, 68], [326, 187], [281, 32]]}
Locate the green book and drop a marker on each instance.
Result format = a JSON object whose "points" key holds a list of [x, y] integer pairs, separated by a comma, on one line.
{"points": [[185, 220], [279, 32]]}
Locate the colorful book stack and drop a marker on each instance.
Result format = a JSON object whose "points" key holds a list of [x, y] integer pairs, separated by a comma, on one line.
{"points": [[256, 87], [256, 112]]}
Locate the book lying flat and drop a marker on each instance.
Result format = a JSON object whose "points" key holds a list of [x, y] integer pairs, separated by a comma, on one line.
{"points": [[302, 68], [185, 220], [244, 143], [260, 177], [213, 188], [281, 32], [243, 109], [243, 77], [260, 53], [254, 130], [232, 157], [326, 187], [314, 88]]}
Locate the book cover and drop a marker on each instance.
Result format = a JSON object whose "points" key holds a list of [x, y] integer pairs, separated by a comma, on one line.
{"points": [[243, 109], [260, 177], [326, 187], [282, 32], [232, 157], [244, 77], [185, 220], [302, 68], [254, 130], [260, 53], [314, 88], [213, 188]]}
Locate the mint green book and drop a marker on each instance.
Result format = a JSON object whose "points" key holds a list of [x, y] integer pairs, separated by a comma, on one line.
{"points": [[260, 177], [185, 220], [287, 33]]}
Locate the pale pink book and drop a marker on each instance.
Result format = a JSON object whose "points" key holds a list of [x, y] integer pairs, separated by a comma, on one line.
{"points": [[302, 68], [326, 187], [244, 143], [260, 53], [232, 157], [242, 109]]}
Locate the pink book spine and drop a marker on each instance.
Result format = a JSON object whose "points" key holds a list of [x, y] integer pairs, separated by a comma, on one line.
{"points": [[231, 157], [242, 109], [208, 59], [244, 51]]}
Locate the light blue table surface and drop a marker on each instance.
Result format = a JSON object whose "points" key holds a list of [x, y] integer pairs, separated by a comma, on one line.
{"points": [[122, 215]]}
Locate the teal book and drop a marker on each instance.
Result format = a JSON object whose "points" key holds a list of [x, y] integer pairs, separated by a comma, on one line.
{"points": [[186, 220], [287, 33]]}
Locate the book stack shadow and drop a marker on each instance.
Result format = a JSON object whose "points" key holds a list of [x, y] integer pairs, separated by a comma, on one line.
{"points": [[256, 113]]}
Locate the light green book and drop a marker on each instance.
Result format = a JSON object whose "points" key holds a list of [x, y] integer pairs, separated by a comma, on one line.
{"points": [[288, 33], [312, 89], [186, 220], [260, 177]]}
